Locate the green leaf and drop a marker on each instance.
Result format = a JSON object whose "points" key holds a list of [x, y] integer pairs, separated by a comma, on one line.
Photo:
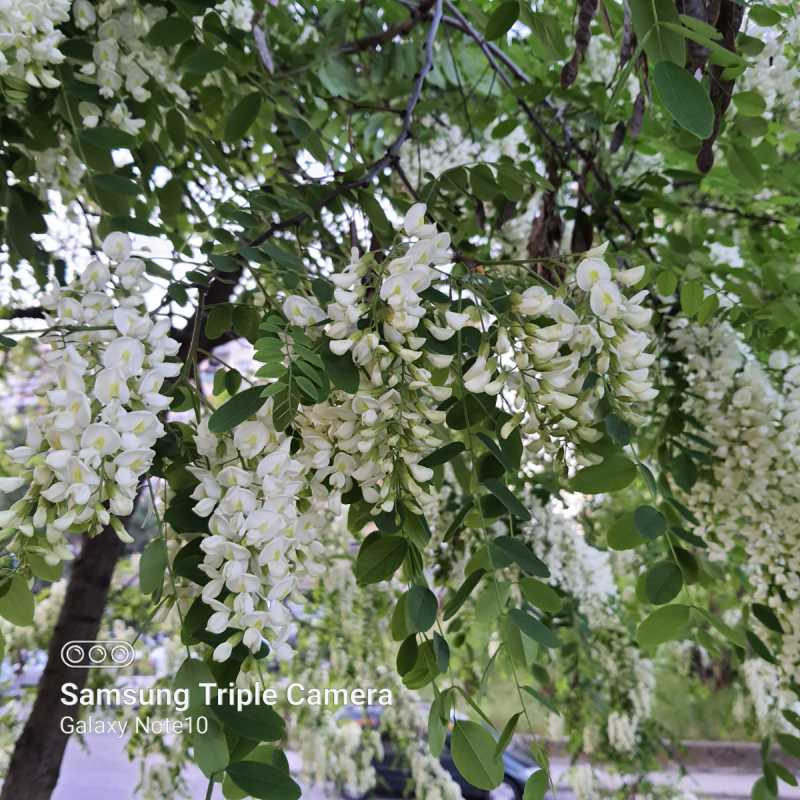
{"points": [[379, 557], [484, 186], [615, 473], [662, 44], [153, 565], [117, 184], [733, 635], [750, 103], [685, 98], [263, 781], [257, 723], [541, 595], [191, 674], [341, 370], [521, 554], [170, 32], [789, 744], [244, 114], [219, 320], [437, 732], [204, 60], [452, 606], [533, 628], [618, 429], [650, 522], [764, 16], [473, 750], [16, 601], [536, 786], [236, 410], [107, 138], [507, 733], [501, 20], [44, 571], [766, 616], [663, 583], [504, 495], [624, 534], [210, 749], [420, 609], [444, 454], [663, 625]]}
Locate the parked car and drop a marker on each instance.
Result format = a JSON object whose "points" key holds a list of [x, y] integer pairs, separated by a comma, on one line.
{"points": [[394, 773]]}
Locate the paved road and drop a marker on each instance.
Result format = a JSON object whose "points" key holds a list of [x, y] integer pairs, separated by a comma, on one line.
{"points": [[103, 772]]}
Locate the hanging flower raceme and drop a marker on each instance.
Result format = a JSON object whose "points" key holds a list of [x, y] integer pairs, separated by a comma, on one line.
{"points": [[750, 415], [84, 457], [30, 39], [262, 522], [424, 336]]}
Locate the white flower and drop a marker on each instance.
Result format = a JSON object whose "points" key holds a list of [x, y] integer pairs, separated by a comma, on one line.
{"points": [[250, 438], [605, 299], [302, 311], [125, 355], [630, 277], [414, 222], [778, 359], [535, 300], [590, 271], [117, 246]]}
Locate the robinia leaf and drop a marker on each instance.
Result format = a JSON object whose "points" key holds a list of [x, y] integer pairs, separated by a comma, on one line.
{"points": [[663, 625], [522, 555], [244, 114], [505, 496], [379, 557], [237, 410], [533, 628], [473, 749], [211, 749], [663, 583], [16, 601], [650, 522], [263, 781], [613, 474], [541, 595], [341, 370], [685, 98], [452, 606], [502, 19], [535, 786], [153, 565], [766, 616], [420, 609]]}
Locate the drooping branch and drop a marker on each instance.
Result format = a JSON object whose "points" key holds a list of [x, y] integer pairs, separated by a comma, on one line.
{"points": [[222, 284]]}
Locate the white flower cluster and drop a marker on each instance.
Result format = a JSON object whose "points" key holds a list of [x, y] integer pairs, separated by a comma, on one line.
{"points": [[774, 74], [84, 457], [751, 414], [263, 532], [29, 40], [452, 147], [587, 575], [122, 63], [545, 348]]}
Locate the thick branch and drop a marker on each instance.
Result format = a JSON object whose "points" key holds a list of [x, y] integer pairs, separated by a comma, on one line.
{"points": [[36, 761]]}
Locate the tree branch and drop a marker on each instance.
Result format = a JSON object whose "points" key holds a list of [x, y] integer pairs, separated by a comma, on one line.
{"points": [[219, 289], [418, 13]]}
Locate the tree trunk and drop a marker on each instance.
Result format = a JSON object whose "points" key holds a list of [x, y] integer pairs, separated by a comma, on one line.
{"points": [[36, 761]]}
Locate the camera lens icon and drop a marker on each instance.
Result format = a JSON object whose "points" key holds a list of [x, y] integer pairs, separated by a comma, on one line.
{"points": [[85, 654]]}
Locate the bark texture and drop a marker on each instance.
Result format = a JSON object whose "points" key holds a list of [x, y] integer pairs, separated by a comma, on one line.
{"points": [[36, 761]]}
